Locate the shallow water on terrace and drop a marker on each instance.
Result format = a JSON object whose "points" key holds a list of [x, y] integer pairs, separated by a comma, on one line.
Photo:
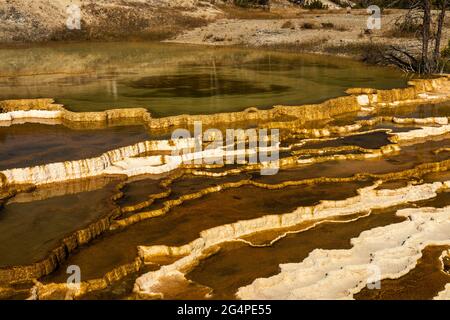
{"points": [[227, 278], [171, 79], [137, 192], [221, 272], [408, 158], [371, 140], [424, 282], [29, 144], [418, 111], [184, 224], [140, 190], [30, 229]]}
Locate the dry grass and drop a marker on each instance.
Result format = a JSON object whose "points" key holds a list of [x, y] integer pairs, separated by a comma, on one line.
{"points": [[235, 12], [305, 46], [369, 52], [332, 26], [130, 24], [308, 26], [288, 25]]}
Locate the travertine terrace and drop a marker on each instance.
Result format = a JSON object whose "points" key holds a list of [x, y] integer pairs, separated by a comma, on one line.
{"points": [[379, 158]]}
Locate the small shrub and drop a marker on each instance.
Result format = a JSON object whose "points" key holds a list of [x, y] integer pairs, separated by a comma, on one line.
{"points": [[332, 26], [367, 51], [341, 3], [308, 25], [249, 3], [314, 5], [406, 27], [446, 51], [288, 25], [341, 28], [327, 25]]}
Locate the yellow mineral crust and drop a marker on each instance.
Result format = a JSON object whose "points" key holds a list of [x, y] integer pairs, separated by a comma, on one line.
{"points": [[20, 273], [80, 237], [368, 199], [129, 161], [69, 292], [56, 256], [444, 294], [121, 161], [168, 205], [354, 128], [78, 169], [387, 252], [419, 91]]}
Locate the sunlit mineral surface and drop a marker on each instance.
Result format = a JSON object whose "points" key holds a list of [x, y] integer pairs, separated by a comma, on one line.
{"points": [[100, 201]]}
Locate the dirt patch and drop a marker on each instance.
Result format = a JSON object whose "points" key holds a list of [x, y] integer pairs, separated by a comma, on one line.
{"points": [[46, 20], [283, 26], [335, 32]]}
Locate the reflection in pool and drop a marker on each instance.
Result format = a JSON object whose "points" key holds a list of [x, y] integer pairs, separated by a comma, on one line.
{"points": [[172, 79], [120, 211]]}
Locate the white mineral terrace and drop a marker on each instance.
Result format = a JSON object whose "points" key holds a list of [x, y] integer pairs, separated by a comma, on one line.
{"points": [[444, 294], [339, 274], [126, 160], [367, 200], [30, 114], [388, 252], [62, 171], [424, 132]]}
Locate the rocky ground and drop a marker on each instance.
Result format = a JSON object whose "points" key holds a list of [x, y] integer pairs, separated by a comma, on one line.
{"points": [[285, 26], [45, 20], [337, 32]]}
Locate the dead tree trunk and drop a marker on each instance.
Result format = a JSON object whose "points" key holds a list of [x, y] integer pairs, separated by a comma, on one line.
{"points": [[440, 26], [426, 7], [429, 59]]}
